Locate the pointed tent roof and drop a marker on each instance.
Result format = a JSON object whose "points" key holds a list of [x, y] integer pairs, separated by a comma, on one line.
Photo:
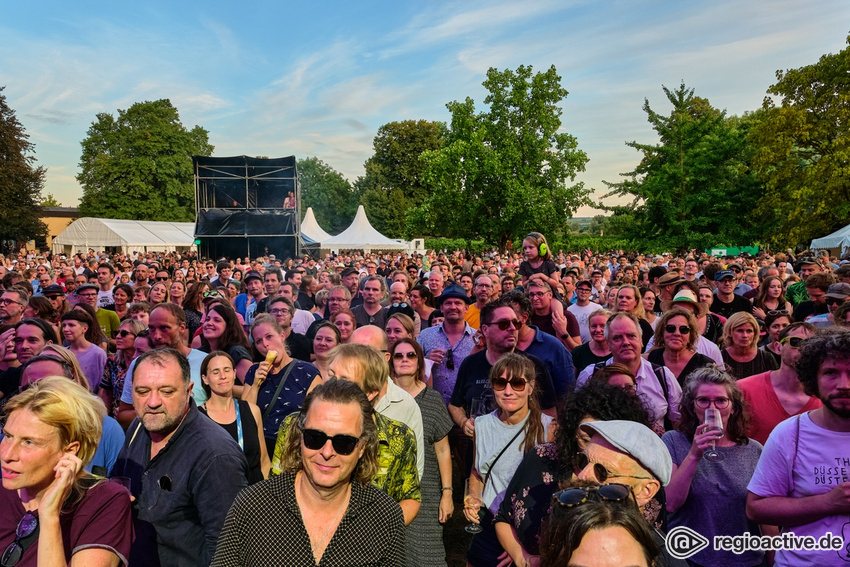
{"points": [[361, 235], [311, 229]]}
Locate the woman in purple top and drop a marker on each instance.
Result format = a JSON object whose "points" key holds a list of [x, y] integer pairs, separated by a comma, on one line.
{"points": [[91, 357]]}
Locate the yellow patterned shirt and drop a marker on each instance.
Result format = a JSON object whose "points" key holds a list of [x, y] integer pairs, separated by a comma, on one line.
{"points": [[397, 474]]}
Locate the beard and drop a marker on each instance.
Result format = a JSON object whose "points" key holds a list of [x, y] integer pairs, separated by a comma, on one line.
{"points": [[843, 413]]}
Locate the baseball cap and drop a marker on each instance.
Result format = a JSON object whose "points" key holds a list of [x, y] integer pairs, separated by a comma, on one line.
{"points": [[252, 276], [838, 291], [637, 440], [723, 274], [53, 289], [348, 272]]}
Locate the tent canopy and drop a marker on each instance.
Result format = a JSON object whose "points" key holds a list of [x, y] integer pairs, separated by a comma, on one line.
{"points": [[361, 235], [838, 239], [311, 229], [128, 235]]}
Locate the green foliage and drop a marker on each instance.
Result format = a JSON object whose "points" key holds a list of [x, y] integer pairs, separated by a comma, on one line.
{"points": [[328, 192], [694, 188], [452, 244], [804, 151], [50, 201], [503, 172], [21, 181], [393, 181], [139, 165]]}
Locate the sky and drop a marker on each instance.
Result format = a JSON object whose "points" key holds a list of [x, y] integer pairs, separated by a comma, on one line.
{"points": [[295, 78]]}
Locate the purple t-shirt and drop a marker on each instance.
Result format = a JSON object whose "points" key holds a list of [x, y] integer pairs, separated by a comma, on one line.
{"points": [[101, 520], [92, 361]]}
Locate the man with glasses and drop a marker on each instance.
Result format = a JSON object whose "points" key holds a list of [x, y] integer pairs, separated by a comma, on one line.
{"points": [[836, 295], [629, 453], [801, 480], [482, 291], [296, 517], [583, 308], [549, 315], [500, 329], [776, 395], [726, 301], [13, 302]]}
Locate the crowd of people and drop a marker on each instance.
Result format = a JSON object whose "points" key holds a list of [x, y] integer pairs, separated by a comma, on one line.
{"points": [[163, 409]]}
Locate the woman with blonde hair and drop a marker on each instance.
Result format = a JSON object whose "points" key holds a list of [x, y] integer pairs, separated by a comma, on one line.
{"points": [[742, 356], [55, 512]]}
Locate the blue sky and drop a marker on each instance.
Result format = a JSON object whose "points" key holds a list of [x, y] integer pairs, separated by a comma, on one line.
{"points": [[284, 78]]}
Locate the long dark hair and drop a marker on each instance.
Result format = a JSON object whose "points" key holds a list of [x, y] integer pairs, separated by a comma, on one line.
{"points": [[711, 375], [515, 365], [233, 334]]}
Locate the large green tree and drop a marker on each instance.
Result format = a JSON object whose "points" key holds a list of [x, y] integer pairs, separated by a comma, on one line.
{"points": [[328, 192], [507, 170], [694, 188], [139, 165], [393, 181], [21, 181], [804, 151]]}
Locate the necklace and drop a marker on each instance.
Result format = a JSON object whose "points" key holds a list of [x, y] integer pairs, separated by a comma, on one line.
{"points": [[330, 526]]}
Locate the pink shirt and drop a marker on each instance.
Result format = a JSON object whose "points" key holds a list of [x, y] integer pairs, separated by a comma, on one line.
{"points": [[766, 411]]}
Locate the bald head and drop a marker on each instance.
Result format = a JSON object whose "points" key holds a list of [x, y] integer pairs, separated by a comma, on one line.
{"points": [[372, 336]]}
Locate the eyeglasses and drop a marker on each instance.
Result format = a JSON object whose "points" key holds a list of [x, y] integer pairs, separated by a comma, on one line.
{"points": [[583, 289], [580, 462], [777, 312], [86, 295], [517, 384], [399, 355], [505, 324], [162, 279], [123, 333], [572, 497], [683, 329], [276, 312], [343, 444], [793, 342], [719, 403], [26, 527], [450, 360], [5, 301], [736, 270], [834, 301]]}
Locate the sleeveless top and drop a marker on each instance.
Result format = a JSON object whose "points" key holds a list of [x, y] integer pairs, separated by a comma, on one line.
{"points": [[250, 436]]}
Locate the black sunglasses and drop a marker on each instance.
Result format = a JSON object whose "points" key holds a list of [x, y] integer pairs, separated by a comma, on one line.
{"points": [[123, 333], [343, 444], [505, 324], [517, 384], [162, 279], [683, 329], [27, 526], [572, 497], [450, 359], [580, 462]]}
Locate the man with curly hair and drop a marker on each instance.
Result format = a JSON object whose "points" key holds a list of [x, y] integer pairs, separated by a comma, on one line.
{"points": [[802, 481]]}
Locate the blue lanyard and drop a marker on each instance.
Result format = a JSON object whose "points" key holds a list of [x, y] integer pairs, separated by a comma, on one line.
{"points": [[239, 426]]}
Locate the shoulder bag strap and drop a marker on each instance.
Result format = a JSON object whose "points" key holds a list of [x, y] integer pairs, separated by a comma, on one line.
{"points": [[662, 381], [502, 452], [269, 407]]}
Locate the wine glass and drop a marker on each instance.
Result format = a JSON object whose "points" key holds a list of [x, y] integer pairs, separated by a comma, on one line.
{"points": [[715, 423], [472, 499]]}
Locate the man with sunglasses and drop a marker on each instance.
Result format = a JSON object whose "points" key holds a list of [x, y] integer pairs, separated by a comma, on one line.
{"points": [[801, 480], [776, 395], [629, 453], [184, 470], [726, 301], [295, 518], [500, 328]]}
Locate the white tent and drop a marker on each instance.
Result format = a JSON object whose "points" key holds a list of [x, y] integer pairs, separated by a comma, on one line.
{"points": [[311, 229], [126, 235], [361, 235], [838, 240]]}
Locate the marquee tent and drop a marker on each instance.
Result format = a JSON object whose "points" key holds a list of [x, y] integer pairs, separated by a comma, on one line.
{"points": [[311, 229], [838, 241], [361, 235], [125, 236]]}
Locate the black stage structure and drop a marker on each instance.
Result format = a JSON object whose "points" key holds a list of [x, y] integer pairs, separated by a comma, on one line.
{"points": [[248, 207]]}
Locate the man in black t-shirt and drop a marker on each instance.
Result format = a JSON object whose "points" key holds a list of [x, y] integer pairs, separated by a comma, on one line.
{"points": [[726, 303]]}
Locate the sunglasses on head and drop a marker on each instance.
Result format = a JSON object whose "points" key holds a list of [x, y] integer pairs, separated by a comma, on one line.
{"points": [[27, 526], [314, 440], [505, 324], [580, 462], [572, 497], [517, 384], [683, 329]]}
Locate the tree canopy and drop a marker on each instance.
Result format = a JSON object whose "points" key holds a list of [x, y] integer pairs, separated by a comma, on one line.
{"points": [[693, 188], [328, 192], [803, 151], [505, 171], [393, 182], [139, 165], [21, 181]]}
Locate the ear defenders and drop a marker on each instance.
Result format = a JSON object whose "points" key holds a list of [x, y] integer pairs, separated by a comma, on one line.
{"points": [[542, 249]]}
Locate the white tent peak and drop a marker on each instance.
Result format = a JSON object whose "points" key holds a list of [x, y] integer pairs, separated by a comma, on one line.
{"points": [[361, 235], [311, 229]]}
